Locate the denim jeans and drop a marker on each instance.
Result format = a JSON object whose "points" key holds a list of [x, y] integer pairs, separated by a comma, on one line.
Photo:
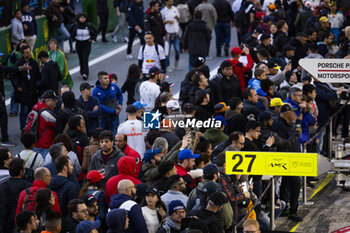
{"points": [[173, 40], [25, 109], [61, 34], [264, 219], [42, 151], [223, 35], [109, 123], [13, 106]]}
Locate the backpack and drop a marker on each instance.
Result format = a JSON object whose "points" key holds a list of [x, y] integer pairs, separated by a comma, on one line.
{"points": [[241, 17], [184, 12], [29, 174], [143, 50], [33, 123], [29, 201]]}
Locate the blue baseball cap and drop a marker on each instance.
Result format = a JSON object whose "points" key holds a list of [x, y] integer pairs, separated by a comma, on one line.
{"points": [[150, 154], [187, 154], [87, 226], [221, 119], [138, 105]]}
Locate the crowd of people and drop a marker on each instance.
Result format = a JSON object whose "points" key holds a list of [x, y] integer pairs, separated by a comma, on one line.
{"points": [[84, 170]]}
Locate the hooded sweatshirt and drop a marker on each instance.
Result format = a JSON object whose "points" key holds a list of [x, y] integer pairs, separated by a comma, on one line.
{"points": [[116, 221], [137, 223], [215, 136], [127, 170]]}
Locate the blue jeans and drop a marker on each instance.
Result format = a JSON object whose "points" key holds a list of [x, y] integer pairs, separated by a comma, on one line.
{"points": [[61, 34], [14, 106], [42, 151], [173, 40], [109, 123], [25, 109], [223, 35], [264, 219]]}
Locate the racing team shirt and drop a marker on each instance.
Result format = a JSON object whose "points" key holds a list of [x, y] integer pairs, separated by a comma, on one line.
{"points": [[150, 57]]}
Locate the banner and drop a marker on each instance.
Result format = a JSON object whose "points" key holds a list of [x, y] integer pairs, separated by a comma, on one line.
{"points": [[5, 12], [271, 163]]}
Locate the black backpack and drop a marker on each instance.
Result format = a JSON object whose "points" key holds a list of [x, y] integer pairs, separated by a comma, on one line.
{"points": [[241, 18], [29, 174]]}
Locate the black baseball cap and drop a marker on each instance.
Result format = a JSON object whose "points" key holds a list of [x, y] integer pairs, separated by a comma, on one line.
{"points": [[49, 94], [153, 71], [131, 108], [85, 85], [286, 108]]}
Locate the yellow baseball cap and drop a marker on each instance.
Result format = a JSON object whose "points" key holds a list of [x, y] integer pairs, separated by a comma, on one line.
{"points": [[276, 102], [323, 19]]}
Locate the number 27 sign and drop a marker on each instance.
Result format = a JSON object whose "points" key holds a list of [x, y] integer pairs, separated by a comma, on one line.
{"points": [[271, 163]]}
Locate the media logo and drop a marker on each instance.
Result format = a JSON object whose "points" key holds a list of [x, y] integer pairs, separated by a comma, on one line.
{"points": [[151, 120]]}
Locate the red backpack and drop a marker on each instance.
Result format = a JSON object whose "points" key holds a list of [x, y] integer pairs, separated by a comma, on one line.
{"points": [[33, 123]]}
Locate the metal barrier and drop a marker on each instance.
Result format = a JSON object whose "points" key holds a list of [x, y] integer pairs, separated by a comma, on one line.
{"points": [[272, 180]]}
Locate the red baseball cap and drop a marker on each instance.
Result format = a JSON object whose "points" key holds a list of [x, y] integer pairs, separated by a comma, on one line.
{"points": [[94, 177], [236, 50]]}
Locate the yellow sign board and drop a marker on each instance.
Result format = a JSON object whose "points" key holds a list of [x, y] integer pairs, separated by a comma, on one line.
{"points": [[271, 163]]}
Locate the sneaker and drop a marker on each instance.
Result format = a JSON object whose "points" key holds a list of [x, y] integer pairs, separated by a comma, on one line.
{"points": [[8, 144], [169, 69], [218, 54], [85, 77], [176, 64], [13, 114], [115, 39], [285, 213], [226, 51], [295, 218], [126, 39], [129, 57], [105, 41]]}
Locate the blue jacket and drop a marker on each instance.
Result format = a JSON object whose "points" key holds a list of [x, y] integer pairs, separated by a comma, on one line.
{"points": [[324, 96], [256, 85], [136, 15], [308, 119], [29, 20], [93, 115], [109, 98], [65, 190], [137, 222]]}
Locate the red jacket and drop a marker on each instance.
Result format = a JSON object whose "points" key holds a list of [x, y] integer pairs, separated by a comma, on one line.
{"points": [[127, 170], [128, 151], [37, 184], [239, 69], [46, 126], [191, 184]]}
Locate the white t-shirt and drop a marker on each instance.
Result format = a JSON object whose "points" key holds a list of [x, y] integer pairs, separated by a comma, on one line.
{"points": [[151, 219], [170, 14], [29, 155], [149, 91], [133, 129], [150, 57]]}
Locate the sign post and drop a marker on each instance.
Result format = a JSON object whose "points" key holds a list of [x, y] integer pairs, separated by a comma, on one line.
{"points": [[271, 163], [328, 70]]}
